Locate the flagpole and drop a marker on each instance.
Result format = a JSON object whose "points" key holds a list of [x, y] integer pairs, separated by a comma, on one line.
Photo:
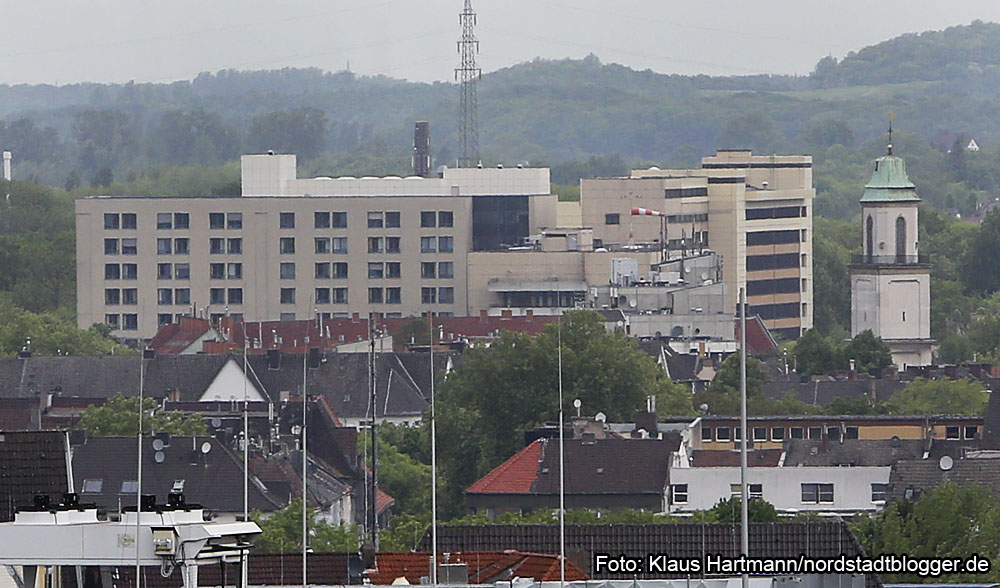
{"points": [[434, 543], [138, 489], [246, 451], [744, 511]]}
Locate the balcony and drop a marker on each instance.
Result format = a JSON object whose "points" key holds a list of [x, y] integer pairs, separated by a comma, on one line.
{"points": [[861, 259]]}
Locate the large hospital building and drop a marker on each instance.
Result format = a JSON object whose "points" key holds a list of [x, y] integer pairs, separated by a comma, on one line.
{"points": [[457, 242]]}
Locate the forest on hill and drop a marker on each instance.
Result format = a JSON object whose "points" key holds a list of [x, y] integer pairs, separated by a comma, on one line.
{"points": [[543, 112], [582, 118]]}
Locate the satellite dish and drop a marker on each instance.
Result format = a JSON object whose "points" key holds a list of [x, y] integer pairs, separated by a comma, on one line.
{"points": [[216, 422], [159, 457], [296, 429], [158, 444], [600, 417], [946, 463], [632, 303], [577, 403], [206, 447], [704, 275]]}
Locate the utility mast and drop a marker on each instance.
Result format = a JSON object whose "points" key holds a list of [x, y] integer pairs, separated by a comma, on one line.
{"points": [[467, 73]]}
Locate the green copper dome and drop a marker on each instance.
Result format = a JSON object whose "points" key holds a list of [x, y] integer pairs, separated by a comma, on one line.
{"points": [[889, 182]]}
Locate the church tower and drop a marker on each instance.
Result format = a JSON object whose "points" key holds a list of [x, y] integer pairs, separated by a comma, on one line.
{"points": [[890, 280]]}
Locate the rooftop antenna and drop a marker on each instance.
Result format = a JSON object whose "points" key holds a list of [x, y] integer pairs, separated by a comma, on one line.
{"points": [[466, 74], [434, 544], [891, 117]]}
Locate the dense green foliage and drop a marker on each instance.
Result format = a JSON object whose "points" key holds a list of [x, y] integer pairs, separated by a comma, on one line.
{"points": [[950, 521], [281, 532], [497, 393], [119, 417]]}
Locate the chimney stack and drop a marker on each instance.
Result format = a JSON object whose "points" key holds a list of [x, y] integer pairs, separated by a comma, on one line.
{"points": [[422, 149]]}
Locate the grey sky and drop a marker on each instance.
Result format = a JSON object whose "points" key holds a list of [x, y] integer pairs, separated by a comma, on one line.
{"points": [[64, 41]]}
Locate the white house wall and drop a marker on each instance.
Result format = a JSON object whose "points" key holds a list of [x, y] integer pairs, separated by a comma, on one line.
{"points": [[229, 385], [782, 486]]}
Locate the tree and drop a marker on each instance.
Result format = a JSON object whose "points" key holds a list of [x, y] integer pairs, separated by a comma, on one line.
{"points": [[753, 130], [948, 521], [868, 351], [929, 397], [815, 354], [281, 532], [119, 417], [728, 511], [500, 392], [980, 272], [413, 330], [301, 131], [723, 394], [102, 178]]}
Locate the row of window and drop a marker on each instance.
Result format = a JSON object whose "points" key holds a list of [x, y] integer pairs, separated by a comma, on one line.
{"points": [[811, 492], [391, 295], [776, 212], [322, 270], [772, 262], [286, 220], [726, 434], [777, 434], [776, 237], [775, 286], [286, 245]]}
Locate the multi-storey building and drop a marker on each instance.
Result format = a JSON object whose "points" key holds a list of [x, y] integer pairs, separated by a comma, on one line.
{"points": [[756, 211], [287, 247]]}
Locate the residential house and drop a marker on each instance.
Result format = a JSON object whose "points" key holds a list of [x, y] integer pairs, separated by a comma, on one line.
{"points": [[610, 473]]}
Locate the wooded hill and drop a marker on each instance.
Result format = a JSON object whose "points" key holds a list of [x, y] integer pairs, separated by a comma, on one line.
{"points": [[543, 111]]}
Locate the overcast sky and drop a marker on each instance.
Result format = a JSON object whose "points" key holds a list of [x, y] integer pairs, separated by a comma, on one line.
{"points": [[64, 41]]}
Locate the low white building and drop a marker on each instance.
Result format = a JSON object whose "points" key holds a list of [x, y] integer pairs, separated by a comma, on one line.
{"points": [[824, 476]]}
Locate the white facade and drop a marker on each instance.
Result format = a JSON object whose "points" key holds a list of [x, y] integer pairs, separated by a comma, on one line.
{"points": [[782, 487]]}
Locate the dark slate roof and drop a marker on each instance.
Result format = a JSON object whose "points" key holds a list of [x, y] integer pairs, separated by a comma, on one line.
{"points": [[855, 452], [11, 370], [606, 466], [791, 539], [31, 462], [602, 466], [824, 392], [108, 375], [683, 367], [342, 378], [214, 480], [418, 366], [265, 569], [926, 474]]}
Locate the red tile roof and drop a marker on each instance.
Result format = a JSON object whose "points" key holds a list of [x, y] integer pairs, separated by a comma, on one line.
{"points": [[759, 339], [485, 567], [514, 476], [724, 458], [175, 338]]}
